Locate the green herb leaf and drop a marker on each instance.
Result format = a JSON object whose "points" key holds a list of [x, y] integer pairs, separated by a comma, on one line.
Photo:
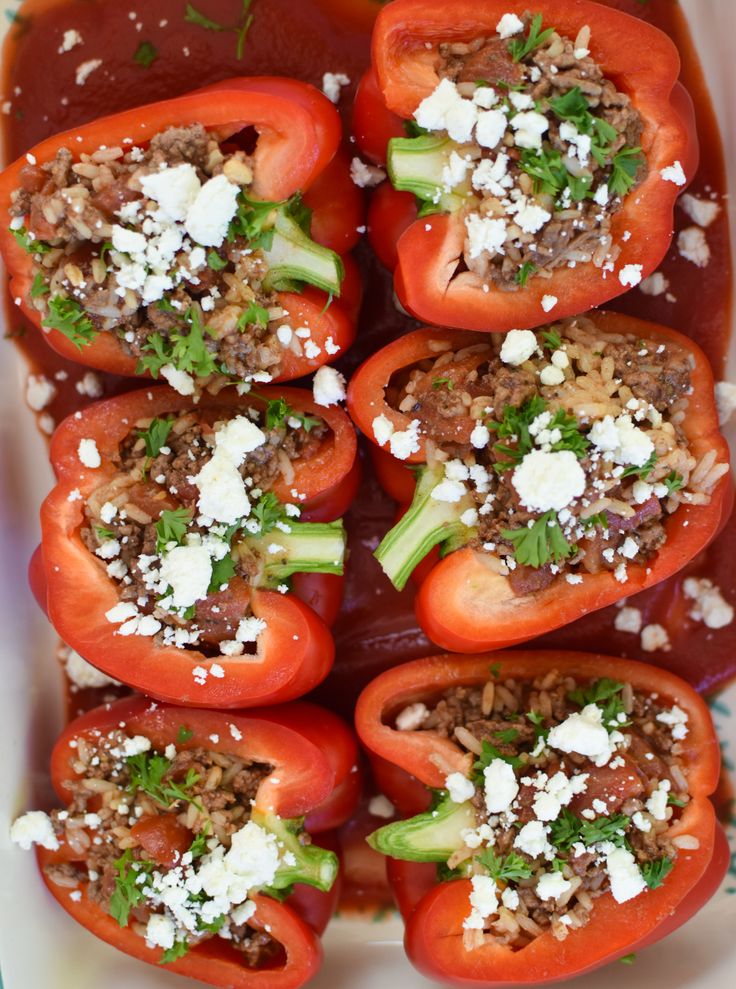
{"points": [[571, 438], [68, 317], [254, 315], [674, 482], [495, 670], [644, 471], [186, 351], [654, 873], [268, 511], [514, 425], [177, 950], [199, 846], [551, 340], [600, 519], [222, 573], [148, 773], [103, 533], [522, 275], [278, 411], [184, 734], [506, 735], [606, 693], [519, 48], [127, 893], [28, 243], [438, 383], [573, 106], [172, 527], [155, 435], [605, 829], [540, 543], [488, 754], [39, 286], [631, 957], [564, 831], [413, 129], [546, 169], [512, 868], [215, 262], [146, 54], [193, 16], [675, 801], [624, 167]]}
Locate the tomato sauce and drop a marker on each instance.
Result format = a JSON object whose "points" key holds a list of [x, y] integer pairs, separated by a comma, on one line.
{"points": [[376, 628]]}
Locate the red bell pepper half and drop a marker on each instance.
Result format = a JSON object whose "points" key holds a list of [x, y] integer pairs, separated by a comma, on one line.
{"points": [[298, 136], [637, 57], [294, 651], [434, 911], [301, 780], [463, 605]]}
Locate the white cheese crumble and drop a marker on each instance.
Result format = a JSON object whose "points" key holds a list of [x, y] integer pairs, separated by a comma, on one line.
{"points": [[82, 674], [532, 839], [188, 571], [551, 885], [625, 442], [70, 39], [500, 786], [549, 481], [34, 828], [459, 788], [623, 873], [628, 620], [332, 83], [214, 207], [674, 173], [509, 25], [485, 234], [445, 109], [710, 607], [701, 211], [40, 392], [483, 902], [518, 346], [693, 246], [88, 454], [655, 637], [85, 70], [583, 732], [677, 720], [411, 717], [328, 386], [403, 443], [365, 176], [549, 302], [630, 274], [655, 284], [725, 400]]}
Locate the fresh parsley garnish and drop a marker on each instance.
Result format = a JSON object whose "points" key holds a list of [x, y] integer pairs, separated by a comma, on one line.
{"points": [[127, 893], [605, 829], [600, 519], [254, 219], [564, 831], [654, 873], [438, 383], [194, 16], [489, 752], [278, 411], [551, 340], [187, 351], [268, 510], [674, 482], [216, 262], [631, 957], [184, 734], [522, 275], [506, 735], [155, 435], [146, 54], [172, 526], [519, 48], [103, 533], [222, 572], [68, 317], [177, 950], [539, 543], [512, 868], [254, 315], [413, 129], [606, 694], [148, 773], [39, 286], [644, 471], [28, 243], [624, 167], [514, 425], [495, 670]]}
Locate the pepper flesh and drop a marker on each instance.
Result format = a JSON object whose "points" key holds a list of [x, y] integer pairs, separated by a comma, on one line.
{"points": [[428, 251], [464, 606], [295, 650], [435, 912]]}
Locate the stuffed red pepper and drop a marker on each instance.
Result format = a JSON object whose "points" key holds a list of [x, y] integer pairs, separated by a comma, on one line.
{"points": [[173, 240], [546, 149], [569, 822], [170, 541], [182, 837], [559, 470]]}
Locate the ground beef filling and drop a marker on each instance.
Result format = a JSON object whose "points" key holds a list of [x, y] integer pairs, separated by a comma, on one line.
{"points": [[103, 823], [578, 229], [148, 486], [71, 207], [631, 801], [484, 417]]}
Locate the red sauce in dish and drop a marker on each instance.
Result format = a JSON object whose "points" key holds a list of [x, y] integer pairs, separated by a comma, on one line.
{"points": [[377, 628]]}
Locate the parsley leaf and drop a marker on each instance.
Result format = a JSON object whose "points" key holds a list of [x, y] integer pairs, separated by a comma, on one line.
{"points": [[254, 315], [644, 471], [216, 262], [438, 383], [674, 482], [146, 54], [605, 829], [571, 438], [631, 957], [495, 670], [222, 573], [268, 511], [506, 735], [172, 527], [539, 543], [552, 340], [194, 16], [488, 754], [199, 846], [186, 351], [592, 521], [519, 48], [573, 106], [127, 893], [546, 169], [606, 694], [624, 167], [155, 436], [68, 317], [28, 243], [654, 873], [675, 801], [564, 831], [278, 411], [512, 868], [514, 425], [522, 275], [39, 286], [177, 950], [184, 734], [103, 533], [148, 773]]}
